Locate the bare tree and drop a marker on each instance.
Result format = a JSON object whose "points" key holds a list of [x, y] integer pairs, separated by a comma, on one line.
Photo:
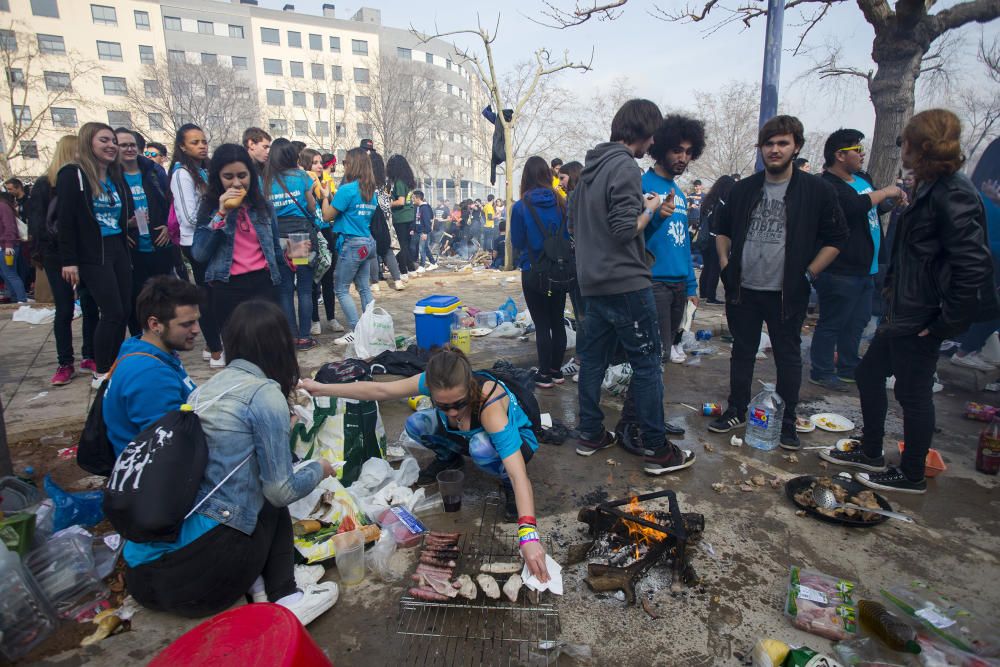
{"points": [[404, 107], [215, 97], [547, 122], [35, 83], [730, 117], [325, 111], [484, 66]]}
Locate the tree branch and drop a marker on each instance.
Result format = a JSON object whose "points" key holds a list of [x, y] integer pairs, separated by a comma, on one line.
{"points": [[979, 11], [562, 19], [876, 12]]}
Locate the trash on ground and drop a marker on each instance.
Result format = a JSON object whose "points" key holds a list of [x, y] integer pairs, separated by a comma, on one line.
{"points": [[980, 412], [736, 441], [821, 604], [769, 653], [34, 315]]}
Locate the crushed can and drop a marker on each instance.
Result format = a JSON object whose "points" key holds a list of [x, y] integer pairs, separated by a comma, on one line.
{"points": [[703, 334], [711, 409]]}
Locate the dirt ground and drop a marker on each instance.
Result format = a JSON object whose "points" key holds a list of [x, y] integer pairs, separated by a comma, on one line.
{"points": [[750, 539]]}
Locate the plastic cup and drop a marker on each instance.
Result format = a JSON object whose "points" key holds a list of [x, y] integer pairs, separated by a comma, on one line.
{"points": [[450, 487], [297, 248], [350, 556]]}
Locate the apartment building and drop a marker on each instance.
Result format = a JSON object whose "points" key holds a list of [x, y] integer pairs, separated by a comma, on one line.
{"points": [[302, 76]]}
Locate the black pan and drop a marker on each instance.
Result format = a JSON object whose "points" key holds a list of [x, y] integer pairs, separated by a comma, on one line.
{"points": [[797, 484]]}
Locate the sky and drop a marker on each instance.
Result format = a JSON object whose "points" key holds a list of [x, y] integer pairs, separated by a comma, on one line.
{"points": [[667, 61]]}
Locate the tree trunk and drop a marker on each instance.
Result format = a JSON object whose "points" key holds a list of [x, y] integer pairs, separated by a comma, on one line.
{"points": [[508, 146]]}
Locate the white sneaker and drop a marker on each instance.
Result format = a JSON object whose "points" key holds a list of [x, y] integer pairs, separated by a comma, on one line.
{"points": [[420, 269], [405, 277], [991, 350], [890, 382], [346, 339], [316, 598], [206, 355], [571, 367], [336, 327], [431, 267], [376, 288], [399, 286], [97, 379], [973, 360], [677, 355], [308, 574], [316, 329], [218, 363]]}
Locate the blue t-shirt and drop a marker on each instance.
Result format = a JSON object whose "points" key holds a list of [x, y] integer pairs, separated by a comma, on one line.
{"points": [[355, 214], [108, 208], [140, 553], [134, 182], [294, 203], [669, 239], [863, 187]]}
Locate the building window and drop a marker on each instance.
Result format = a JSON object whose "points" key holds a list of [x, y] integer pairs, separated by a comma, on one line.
{"points": [[211, 90], [335, 44], [277, 126], [451, 89], [15, 76], [362, 75], [57, 81], [51, 45], [275, 98], [206, 28], [114, 85], [120, 119], [364, 130], [155, 121], [45, 8], [363, 103], [64, 117], [29, 150], [447, 63], [272, 66], [341, 131], [319, 100], [236, 31], [109, 51], [301, 127], [429, 58], [317, 71], [315, 42], [141, 20], [359, 47], [21, 114], [404, 54], [240, 62], [209, 59], [242, 92], [175, 56], [146, 56], [298, 98], [295, 39], [151, 87], [103, 15], [172, 23], [338, 102], [296, 69], [322, 128], [8, 40], [338, 73], [270, 36], [4, 5]]}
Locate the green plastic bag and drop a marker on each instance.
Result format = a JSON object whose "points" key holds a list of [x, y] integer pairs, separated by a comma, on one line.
{"points": [[343, 430]]}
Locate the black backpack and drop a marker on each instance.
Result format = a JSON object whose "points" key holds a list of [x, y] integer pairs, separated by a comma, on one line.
{"points": [[554, 269], [524, 393]]}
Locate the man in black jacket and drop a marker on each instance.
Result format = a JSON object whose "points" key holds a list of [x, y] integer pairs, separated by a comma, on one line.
{"points": [[779, 229], [845, 289], [940, 280]]}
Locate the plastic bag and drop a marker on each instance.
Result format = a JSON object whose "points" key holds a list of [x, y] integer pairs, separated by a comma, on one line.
{"points": [[570, 337], [946, 618], [617, 379], [374, 333], [509, 309], [34, 315], [821, 604], [506, 330], [74, 509], [379, 558]]}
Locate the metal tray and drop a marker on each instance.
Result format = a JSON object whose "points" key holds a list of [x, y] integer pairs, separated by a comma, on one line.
{"points": [[795, 485]]}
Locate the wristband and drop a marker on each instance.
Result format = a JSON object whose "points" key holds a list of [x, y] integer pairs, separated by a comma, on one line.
{"points": [[527, 520], [526, 530], [529, 537], [523, 542]]}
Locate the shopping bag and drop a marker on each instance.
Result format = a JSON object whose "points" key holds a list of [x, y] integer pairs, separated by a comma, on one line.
{"points": [[374, 333], [343, 431]]}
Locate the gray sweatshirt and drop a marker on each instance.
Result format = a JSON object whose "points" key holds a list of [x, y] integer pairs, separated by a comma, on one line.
{"points": [[610, 251]]}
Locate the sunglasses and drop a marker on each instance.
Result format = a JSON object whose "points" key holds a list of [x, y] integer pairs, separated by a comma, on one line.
{"points": [[151, 154], [859, 148], [457, 405]]}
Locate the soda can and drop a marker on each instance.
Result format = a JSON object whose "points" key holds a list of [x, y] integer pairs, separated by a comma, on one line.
{"points": [[711, 409], [703, 334]]}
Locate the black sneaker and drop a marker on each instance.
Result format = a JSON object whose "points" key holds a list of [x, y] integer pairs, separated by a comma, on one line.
{"points": [[713, 302], [557, 376], [587, 447], [892, 479], [853, 459], [848, 380], [790, 439], [833, 383], [669, 459], [671, 429], [542, 380], [428, 475], [509, 504], [630, 439], [727, 421]]}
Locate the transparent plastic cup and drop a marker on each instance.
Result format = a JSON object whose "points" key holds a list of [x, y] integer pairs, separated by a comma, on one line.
{"points": [[350, 556], [297, 248], [450, 487]]}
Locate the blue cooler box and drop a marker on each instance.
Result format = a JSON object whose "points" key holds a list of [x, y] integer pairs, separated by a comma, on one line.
{"points": [[434, 315]]}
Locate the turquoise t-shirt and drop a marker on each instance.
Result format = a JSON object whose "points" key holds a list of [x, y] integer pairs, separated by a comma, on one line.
{"points": [[355, 214], [294, 203], [863, 187], [196, 525], [134, 182], [108, 208]]}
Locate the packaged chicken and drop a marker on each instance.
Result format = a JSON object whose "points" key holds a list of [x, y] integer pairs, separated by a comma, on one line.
{"points": [[821, 604]]}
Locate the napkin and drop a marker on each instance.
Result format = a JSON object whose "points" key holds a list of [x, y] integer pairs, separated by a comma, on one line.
{"points": [[555, 582]]}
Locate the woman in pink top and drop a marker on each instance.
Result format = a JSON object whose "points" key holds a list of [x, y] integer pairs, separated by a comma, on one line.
{"points": [[236, 235], [10, 242]]}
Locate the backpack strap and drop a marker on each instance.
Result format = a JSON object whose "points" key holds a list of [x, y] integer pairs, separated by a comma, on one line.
{"points": [[132, 354], [295, 201]]}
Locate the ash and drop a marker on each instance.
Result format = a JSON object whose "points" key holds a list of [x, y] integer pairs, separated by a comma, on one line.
{"points": [[615, 551]]}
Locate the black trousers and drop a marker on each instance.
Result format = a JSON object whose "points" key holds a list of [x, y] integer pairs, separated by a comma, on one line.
{"points": [[550, 329], [326, 282], [210, 574], [708, 282], [110, 284], [913, 360], [403, 233], [745, 320], [209, 326], [145, 265], [244, 287], [62, 327]]}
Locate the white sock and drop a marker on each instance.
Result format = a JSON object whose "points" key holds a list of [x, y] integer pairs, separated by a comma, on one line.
{"points": [[290, 599], [257, 586]]}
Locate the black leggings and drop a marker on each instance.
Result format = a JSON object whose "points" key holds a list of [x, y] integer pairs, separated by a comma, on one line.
{"points": [[550, 330], [326, 282], [708, 283], [145, 265], [244, 287], [403, 231], [209, 327], [210, 574], [110, 284], [62, 327]]}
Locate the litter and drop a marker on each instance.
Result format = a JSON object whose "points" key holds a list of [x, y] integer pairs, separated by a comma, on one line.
{"points": [[41, 394], [34, 315], [59, 438]]}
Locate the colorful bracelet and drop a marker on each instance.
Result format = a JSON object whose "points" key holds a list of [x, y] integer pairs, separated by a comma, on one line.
{"points": [[527, 520], [524, 530], [523, 542], [529, 537]]}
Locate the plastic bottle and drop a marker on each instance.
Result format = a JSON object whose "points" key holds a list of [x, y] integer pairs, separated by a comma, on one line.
{"points": [[764, 419], [26, 619], [988, 452], [897, 634]]}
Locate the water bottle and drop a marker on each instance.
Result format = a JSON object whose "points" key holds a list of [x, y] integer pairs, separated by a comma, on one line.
{"points": [[764, 419], [26, 619]]}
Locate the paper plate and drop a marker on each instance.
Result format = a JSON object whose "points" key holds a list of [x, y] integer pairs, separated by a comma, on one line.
{"points": [[829, 421], [847, 445], [481, 332], [804, 425]]}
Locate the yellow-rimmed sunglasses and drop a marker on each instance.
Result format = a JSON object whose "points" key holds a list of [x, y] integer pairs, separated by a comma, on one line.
{"points": [[859, 148]]}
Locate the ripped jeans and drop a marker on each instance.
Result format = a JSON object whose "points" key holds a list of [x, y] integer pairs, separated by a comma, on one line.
{"points": [[628, 319], [426, 428]]}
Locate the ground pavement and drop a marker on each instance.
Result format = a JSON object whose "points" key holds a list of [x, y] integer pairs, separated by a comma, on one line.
{"points": [[750, 540]]}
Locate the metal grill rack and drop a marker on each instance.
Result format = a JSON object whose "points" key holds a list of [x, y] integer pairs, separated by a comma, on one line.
{"points": [[491, 632]]}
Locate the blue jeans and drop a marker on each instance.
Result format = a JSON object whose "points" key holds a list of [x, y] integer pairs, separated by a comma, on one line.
{"points": [[11, 280], [489, 236], [426, 256], [975, 338], [353, 266], [298, 282], [845, 306], [629, 320]]}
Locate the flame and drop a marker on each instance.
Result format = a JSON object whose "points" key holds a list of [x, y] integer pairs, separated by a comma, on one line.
{"points": [[641, 534]]}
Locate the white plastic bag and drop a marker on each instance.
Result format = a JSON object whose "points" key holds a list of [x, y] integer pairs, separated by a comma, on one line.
{"points": [[617, 379], [34, 315], [570, 337], [374, 333]]}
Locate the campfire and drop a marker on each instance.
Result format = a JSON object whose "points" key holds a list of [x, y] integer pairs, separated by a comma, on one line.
{"points": [[628, 540]]}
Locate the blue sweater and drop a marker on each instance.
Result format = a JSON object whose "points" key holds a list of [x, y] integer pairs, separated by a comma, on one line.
{"points": [[525, 236], [668, 238], [142, 390]]}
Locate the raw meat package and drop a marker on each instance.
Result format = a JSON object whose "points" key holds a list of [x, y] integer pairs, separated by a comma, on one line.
{"points": [[821, 604], [405, 528]]}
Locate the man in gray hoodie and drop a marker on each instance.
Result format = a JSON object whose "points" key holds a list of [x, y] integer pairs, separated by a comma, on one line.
{"points": [[610, 213]]}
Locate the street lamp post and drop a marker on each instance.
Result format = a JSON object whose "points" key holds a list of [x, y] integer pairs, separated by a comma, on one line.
{"points": [[772, 66]]}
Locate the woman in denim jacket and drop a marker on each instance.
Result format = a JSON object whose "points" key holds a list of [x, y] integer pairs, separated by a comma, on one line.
{"points": [[239, 541], [236, 236]]}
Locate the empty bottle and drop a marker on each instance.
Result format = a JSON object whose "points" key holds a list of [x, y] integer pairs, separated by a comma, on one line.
{"points": [[764, 419], [988, 452], [897, 634], [26, 619]]}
